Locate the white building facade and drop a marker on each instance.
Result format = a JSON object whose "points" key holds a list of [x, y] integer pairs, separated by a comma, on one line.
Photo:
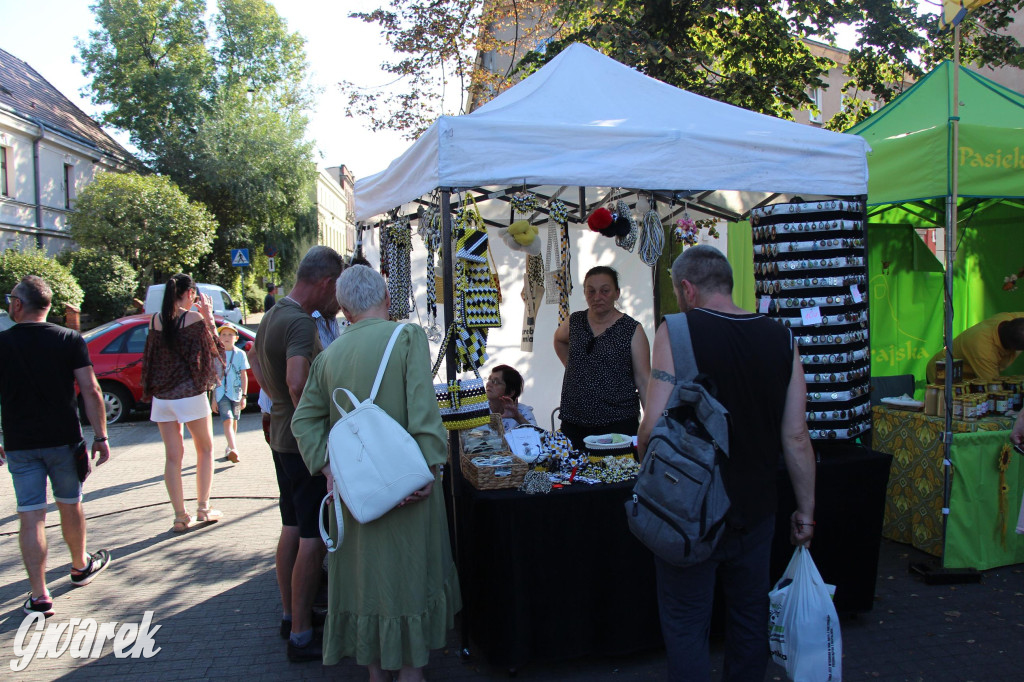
{"points": [[335, 212], [49, 151]]}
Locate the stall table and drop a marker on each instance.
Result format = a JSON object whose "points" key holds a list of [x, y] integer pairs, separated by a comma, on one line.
{"points": [[976, 535], [554, 576]]}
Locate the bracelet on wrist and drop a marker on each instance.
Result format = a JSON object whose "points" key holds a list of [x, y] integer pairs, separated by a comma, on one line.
{"points": [[102, 439]]}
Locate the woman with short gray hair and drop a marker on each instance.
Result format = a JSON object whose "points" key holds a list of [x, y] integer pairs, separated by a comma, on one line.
{"points": [[359, 289], [393, 589]]}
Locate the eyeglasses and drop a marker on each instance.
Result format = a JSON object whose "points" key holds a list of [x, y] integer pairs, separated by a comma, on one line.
{"points": [[9, 297]]}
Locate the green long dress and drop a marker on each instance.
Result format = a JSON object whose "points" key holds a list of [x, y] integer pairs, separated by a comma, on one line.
{"points": [[394, 590]]}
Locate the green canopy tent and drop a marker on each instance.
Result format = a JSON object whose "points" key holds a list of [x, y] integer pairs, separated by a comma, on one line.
{"points": [[909, 187], [948, 153]]}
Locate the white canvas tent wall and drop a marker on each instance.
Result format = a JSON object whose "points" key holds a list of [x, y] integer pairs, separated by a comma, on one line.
{"points": [[585, 120]]}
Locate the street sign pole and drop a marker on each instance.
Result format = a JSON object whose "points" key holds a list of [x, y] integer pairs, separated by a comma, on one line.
{"points": [[243, 296], [240, 259]]}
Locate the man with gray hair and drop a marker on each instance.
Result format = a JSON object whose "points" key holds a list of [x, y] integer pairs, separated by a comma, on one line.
{"points": [[41, 363], [754, 367], [285, 346]]}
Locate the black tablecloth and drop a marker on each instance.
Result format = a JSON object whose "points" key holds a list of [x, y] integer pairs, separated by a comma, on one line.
{"points": [[556, 576], [850, 486]]}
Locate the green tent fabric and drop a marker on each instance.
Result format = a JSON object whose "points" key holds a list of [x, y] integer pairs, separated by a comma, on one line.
{"points": [[910, 140], [910, 178]]}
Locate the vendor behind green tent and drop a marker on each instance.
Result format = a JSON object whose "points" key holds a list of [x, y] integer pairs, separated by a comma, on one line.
{"points": [[987, 348]]}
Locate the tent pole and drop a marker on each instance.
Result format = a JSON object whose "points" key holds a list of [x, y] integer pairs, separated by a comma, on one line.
{"points": [[454, 479], [447, 270], [951, 221]]}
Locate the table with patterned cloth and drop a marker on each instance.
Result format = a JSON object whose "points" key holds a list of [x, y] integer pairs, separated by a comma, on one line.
{"points": [[977, 533]]}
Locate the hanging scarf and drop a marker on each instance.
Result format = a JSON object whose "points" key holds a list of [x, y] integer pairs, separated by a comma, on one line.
{"points": [[397, 238], [559, 279], [533, 296]]}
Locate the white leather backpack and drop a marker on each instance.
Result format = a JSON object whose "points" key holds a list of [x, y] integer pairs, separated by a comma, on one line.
{"points": [[375, 462]]}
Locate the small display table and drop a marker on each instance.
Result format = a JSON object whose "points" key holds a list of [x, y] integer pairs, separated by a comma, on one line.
{"points": [[975, 536]]}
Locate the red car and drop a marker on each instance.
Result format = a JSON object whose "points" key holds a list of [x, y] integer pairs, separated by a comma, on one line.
{"points": [[116, 350]]}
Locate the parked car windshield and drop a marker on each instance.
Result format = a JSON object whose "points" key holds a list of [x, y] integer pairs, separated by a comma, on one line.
{"points": [[102, 329]]}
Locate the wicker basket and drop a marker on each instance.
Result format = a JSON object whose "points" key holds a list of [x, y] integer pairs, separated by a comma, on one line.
{"points": [[489, 477]]}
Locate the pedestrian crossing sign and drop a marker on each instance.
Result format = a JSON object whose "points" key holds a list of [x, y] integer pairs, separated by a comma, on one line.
{"points": [[240, 258]]}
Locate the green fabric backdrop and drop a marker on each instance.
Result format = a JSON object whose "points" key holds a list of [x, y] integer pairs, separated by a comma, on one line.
{"points": [[905, 294], [974, 536]]}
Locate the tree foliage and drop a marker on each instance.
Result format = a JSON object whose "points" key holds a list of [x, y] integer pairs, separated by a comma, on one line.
{"points": [[748, 53], [108, 281], [144, 219], [16, 264], [223, 115], [253, 168]]}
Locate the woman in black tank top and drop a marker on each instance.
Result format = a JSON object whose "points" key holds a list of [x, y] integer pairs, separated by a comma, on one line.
{"points": [[607, 363]]}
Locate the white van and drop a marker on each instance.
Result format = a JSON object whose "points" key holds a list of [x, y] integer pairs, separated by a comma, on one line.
{"points": [[222, 303]]}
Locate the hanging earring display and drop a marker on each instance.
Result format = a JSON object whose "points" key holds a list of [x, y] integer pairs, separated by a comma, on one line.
{"points": [[652, 237], [810, 274], [687, 230], [397, 238]]}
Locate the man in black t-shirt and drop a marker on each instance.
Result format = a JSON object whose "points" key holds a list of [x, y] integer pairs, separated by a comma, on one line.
{"points": [[269, 300], [755, 368], [39, 365]]}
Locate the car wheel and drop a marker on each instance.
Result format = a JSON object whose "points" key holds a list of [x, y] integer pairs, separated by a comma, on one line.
{"points": [[117, 401]]}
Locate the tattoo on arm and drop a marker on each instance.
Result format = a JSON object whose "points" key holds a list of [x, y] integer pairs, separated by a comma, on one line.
{"points": [[660, 375]]}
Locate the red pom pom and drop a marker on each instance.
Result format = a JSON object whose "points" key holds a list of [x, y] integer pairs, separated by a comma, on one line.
{"points": [[600, 219]]}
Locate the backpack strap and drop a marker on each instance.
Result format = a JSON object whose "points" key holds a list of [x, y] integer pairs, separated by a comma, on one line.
{"points": [[376, 382], [682, 347], [384, 361]]}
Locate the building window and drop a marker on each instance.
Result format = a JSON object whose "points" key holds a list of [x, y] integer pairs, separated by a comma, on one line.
{"points": [[816, 101], [69, 179], [3, 172]]}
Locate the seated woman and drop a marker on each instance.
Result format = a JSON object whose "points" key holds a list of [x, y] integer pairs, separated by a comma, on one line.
{"points": [[503, 388]]}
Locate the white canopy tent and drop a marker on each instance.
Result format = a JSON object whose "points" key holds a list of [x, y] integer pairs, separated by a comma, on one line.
{"points": [[587, 121]]}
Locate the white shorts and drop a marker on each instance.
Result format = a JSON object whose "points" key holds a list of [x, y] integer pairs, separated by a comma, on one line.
{"points": [[182, 410]]}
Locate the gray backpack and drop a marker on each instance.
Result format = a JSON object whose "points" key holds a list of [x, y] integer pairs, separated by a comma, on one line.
{"points": [[679, 501]]}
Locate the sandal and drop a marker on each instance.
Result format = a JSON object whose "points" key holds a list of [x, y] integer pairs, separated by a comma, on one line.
{"points": [[232, 456], [207, 515], [181, 523]]}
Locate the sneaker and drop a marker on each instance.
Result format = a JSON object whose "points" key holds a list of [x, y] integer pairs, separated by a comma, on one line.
{"points": [[97, 562], [43, 605], [303, 654]]}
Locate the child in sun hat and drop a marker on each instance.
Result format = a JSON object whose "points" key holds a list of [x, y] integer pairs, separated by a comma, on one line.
{"points": [[229, 397]]}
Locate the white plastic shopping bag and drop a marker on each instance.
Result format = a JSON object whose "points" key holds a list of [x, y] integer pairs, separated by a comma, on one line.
{"points": [[803, 628]]}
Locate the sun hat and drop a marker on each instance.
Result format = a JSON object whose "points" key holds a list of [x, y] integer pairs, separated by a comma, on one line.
{"points": [[227, 327]]}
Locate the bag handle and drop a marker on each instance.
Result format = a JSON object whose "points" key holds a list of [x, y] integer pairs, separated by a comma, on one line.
{"points": [[452, 332], [444, 349], [325, 535], [377, 380]]}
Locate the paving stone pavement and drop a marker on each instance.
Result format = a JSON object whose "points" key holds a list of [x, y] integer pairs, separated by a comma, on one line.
{"points": [[213, 593]]}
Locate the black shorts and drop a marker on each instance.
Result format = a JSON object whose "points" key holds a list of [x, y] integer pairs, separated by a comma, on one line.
{"points": [[301, 493]]}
